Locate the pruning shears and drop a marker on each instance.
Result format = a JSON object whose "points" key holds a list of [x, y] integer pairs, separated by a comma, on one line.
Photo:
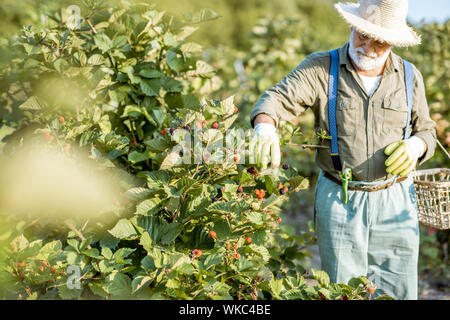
{"points": [[346, 176]]}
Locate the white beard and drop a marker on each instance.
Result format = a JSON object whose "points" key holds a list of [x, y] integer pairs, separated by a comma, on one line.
{"points": [[366, 61]]}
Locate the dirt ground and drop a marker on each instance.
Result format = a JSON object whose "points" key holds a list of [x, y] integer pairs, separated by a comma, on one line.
{"points": [[428, 289]]}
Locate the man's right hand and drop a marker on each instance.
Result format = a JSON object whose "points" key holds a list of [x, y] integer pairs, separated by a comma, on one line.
{"points": [[264, 144]]}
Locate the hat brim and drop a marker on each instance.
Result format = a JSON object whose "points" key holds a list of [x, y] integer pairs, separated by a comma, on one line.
{"points": [[402, 37]]}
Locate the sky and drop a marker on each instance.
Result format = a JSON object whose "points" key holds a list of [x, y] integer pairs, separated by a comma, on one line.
{"points": [[430, 10]]}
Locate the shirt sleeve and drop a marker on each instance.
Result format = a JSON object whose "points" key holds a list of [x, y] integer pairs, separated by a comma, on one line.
{"points": [[292, 95], [422, 124]]}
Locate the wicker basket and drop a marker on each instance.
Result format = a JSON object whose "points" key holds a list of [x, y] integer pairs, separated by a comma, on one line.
{"points": [[433, 197]]}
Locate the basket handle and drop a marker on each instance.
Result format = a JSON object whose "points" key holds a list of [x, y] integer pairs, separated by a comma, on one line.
{"points": [[442, 147]]}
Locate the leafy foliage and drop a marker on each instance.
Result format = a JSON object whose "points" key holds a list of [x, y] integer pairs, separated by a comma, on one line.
{"points": [[134, 78]]}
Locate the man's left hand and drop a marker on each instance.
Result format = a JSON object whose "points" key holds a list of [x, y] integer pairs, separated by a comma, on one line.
{"points": [[403, 155]]}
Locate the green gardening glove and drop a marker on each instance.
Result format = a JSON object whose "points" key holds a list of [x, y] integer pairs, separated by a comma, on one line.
{"points": [[403, 156]]}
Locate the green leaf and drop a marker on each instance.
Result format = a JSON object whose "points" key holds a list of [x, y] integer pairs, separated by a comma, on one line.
{"points": [[203, 70], [119, 42], [132, 111], [150, 87], [123, 230], [148, 264], [174, 61], [136, 157], [150, 73], [276, 285], [32, 104], [149, 207], [107, 253], [204, 15], [212, 260], [123, 252], [93, 253], [186, 31], [227, 106], [118, 284], [299, 183], [170, 232], [50, 250], [95, 60], [146, 241], [173, 284], [157, 144], [140, 282], [270, 184], [322, 277], [74, 244], [103, 42]]}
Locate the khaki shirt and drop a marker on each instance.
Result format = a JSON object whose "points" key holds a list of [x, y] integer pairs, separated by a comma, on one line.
{"points": [[365, 125]]}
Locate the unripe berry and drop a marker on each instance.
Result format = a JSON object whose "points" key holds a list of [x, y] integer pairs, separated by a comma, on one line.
{"points": [[21, 264], [212, 234], [215, 125], [248, 240], [61, 119]]}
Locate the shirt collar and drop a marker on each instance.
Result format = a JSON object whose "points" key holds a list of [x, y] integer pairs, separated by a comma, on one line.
{"points": [[344, 59]]}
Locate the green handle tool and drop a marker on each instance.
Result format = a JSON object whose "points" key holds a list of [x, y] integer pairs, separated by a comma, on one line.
{"points": [[346, 176]]}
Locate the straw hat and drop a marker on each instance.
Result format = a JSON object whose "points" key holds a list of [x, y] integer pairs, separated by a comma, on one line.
{"points": [[382, 20]]}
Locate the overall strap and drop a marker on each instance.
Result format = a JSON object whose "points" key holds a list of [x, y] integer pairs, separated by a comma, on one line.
{"points": [[332, 101], [409, 82]]}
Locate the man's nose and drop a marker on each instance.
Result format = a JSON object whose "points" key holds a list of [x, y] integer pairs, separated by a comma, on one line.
{"points": [[369, 47]]}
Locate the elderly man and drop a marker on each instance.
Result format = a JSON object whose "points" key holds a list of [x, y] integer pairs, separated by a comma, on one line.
{"points": [[373, 105]]}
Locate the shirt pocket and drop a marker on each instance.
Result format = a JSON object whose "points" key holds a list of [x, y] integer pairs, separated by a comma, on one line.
{"points": [[395, 111], [346, 116]]}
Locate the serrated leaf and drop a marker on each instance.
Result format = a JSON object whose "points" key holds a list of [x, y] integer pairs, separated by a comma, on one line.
{"points": [[276, 285], [170, 231], [123, 230], [95, 60], [140, 282], [322, 277], [32, 104], [203, 70], [150, 87], [186, 31], [148, 207], [146, 241], [149, 73], [118, 284], [299, 183], [204, 15], [174, 61]]}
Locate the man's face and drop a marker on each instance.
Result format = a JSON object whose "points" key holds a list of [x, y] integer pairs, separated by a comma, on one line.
{"points": [[367, 53]]}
